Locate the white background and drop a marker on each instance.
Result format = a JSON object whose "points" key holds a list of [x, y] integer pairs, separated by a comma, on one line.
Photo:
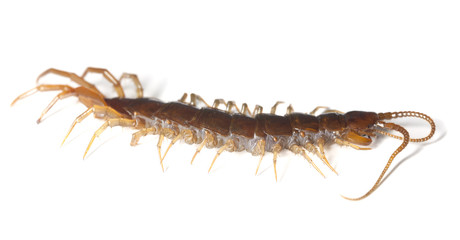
{"points": [[349, 55]]}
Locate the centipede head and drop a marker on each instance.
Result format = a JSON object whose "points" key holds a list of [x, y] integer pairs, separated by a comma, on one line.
{"points": [[359, 120], [359, 127]]}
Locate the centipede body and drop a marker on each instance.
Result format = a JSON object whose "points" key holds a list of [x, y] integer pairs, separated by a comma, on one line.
{"points": [[232, 129]]}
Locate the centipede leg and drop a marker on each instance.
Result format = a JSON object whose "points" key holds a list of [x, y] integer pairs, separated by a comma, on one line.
{"points": [[218, 102], [66, 92], [326, 110], [72, 76], [183, 98], [203, 143], [289, 109], [141, 133], [137, 83], [244, 109], [108, 76], [273, 110], [229, 145], [313, 112], [160, 142], [260, 146], [194, 99], [296, 149], [179, 136], [123, 122], [349, 144], [276, 149], [320, 153], [98, 111]]}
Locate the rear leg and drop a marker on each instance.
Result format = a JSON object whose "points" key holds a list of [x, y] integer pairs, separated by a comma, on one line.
{"points": [[72, 76], [86, 96], [99, 112], [108, 76], [123, 122], [117, 83]]}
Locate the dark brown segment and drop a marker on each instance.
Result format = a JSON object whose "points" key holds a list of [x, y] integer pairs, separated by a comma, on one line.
{"points": [[243, 125], [214, 120], [260, 125], [272, 125], [331, 121], [177, 112], [360, 119], [302, 121], [126, 106]]}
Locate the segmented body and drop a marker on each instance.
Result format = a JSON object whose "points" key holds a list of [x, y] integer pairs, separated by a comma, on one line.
{"points": [[231, 129]]}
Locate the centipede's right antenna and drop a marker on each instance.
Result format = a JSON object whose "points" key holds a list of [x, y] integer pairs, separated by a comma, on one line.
{"points": [[393, 115], [406, 139]]}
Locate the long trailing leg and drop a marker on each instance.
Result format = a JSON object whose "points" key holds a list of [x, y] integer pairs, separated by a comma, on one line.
{"points": [[72, 76], [123, 122], [115, 82], [87, 96], [105, 73], [42, 88]]}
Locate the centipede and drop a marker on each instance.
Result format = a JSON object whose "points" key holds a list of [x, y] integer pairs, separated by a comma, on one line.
{"points": [[227, 127]]}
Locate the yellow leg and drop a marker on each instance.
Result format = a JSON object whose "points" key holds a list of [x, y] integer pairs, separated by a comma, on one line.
{"points": [[261, 146], [276, 149], [273, 110], [296, 149], [98, 111], [141, 133], [137, 83], [349, 144], [320, 153], [109, 77], [229, 145], [123, 122], [179, 136], [207, 138]]}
